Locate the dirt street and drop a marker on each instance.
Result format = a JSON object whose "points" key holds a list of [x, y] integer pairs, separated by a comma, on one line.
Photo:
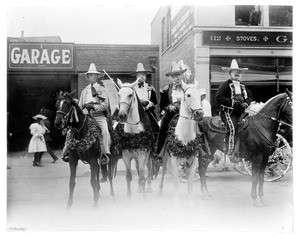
{"points": [[37, 198]]}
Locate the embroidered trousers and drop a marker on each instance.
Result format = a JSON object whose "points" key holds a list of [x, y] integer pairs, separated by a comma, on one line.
{"points": [[106, 141]]}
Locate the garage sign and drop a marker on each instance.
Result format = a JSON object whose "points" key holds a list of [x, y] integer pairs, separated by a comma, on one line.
{"points": [[41, 56]]}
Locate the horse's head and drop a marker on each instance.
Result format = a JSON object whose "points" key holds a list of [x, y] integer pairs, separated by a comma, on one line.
{"points": [[64, 103], [127, 98], [286, 116], [191, 102]]}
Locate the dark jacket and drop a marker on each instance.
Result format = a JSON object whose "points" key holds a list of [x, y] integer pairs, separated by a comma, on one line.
{"points": [[166, 97], [226, 96]]}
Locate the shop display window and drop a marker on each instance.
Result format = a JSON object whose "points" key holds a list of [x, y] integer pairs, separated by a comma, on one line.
{"points": [[247, 15], [281, 16]]}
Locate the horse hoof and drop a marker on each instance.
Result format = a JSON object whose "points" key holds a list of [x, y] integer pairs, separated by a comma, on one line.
{"points": [[149, 190], [264, 202], [257, 203], [206, 197]]}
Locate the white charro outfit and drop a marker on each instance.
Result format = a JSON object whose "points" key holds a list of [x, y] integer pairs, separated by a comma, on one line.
{"points": [[205, 104]]}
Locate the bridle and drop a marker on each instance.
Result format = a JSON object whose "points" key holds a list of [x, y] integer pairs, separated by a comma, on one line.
{"points": [[129, 105], [69, 116], [193, 111]]}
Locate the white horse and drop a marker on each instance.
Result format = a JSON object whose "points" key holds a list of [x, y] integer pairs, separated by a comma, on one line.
{"points": [[183, 142], [138, 138]]}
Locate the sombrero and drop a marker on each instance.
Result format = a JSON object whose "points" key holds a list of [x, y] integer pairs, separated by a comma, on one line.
{"points": [[93, 70], [234, 66], [176, 70], [140, 69], [39, 116]]}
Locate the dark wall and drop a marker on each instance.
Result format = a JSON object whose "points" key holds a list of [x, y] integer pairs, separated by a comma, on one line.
{"points": [[26, 95]]}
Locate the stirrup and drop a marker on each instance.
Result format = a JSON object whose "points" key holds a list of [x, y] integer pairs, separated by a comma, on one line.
{"points": [[104, 159], [158, 161], [65, 158]]}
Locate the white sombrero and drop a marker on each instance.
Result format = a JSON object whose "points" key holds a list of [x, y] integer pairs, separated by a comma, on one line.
{"points": [[176, 70], [140, 69], [234, 66], [93, 70], [39, 116]]}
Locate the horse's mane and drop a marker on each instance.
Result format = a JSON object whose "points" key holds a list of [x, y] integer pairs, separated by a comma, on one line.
{"points": [[279, 96]]}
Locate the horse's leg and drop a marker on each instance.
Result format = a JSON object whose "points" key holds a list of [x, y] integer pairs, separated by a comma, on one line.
{"points": [[255, 178], [190, 180], [142, 160], [111, 169], [127, 162], [149, 176], [140, 187], [164, 170], [95, 183], [72, 164], [174, 170], [261, 182], [202, 170]]}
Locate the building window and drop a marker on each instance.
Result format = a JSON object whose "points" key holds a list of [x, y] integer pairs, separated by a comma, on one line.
{"points": [[163, 25], [281, 16], [247, 15], [169, 28]]}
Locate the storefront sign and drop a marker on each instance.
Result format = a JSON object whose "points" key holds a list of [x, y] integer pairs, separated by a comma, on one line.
{"points": [[43, 56], [226, 38]]}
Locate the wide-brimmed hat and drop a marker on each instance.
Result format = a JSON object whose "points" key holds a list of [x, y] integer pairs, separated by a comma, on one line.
{"points": [[234, 66], [46, 112], [176, 70], [93, 70], [140, 69], [39, 116]]}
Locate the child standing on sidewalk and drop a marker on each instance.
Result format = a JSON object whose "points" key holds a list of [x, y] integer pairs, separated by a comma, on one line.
{"points": [[37, 144]]}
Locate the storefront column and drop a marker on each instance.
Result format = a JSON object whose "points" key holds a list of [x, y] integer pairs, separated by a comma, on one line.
{"points": [[201, 64]]}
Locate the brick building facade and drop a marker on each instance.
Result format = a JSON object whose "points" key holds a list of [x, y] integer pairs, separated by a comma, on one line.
{"points": [[209, 37]]}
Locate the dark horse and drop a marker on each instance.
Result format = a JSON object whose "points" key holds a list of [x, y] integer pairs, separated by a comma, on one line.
{"points": [[257, 136], [84, 143]]}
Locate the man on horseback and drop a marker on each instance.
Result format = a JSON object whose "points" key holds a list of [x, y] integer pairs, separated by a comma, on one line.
{"points": [[94, 100], [145, 92], [169, 105], [234, 98]]}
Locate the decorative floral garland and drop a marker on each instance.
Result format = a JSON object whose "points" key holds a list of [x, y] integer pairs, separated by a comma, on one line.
{"points": [[84, 144], [175, 146], [140, 141]]}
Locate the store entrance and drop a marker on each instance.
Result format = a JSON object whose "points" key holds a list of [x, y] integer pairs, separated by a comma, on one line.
{"points": [[26, 95], [266, 77]]}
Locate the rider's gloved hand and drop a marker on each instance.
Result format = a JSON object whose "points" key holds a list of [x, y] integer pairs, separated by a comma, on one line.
{"points": [[236, 103], [244, 105], [144, 103], [88, 106], [172, 107]]}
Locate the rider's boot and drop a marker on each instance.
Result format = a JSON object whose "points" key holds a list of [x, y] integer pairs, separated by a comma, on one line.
{"points": [[158, 160]]}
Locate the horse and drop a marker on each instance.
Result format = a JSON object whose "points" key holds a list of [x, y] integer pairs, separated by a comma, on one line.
{"points": [[84, 143], [134, 136], [257, 137], [183, 141]]}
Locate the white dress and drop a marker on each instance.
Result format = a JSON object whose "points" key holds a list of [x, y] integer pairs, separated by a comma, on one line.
{"points": [[37, 142]]}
